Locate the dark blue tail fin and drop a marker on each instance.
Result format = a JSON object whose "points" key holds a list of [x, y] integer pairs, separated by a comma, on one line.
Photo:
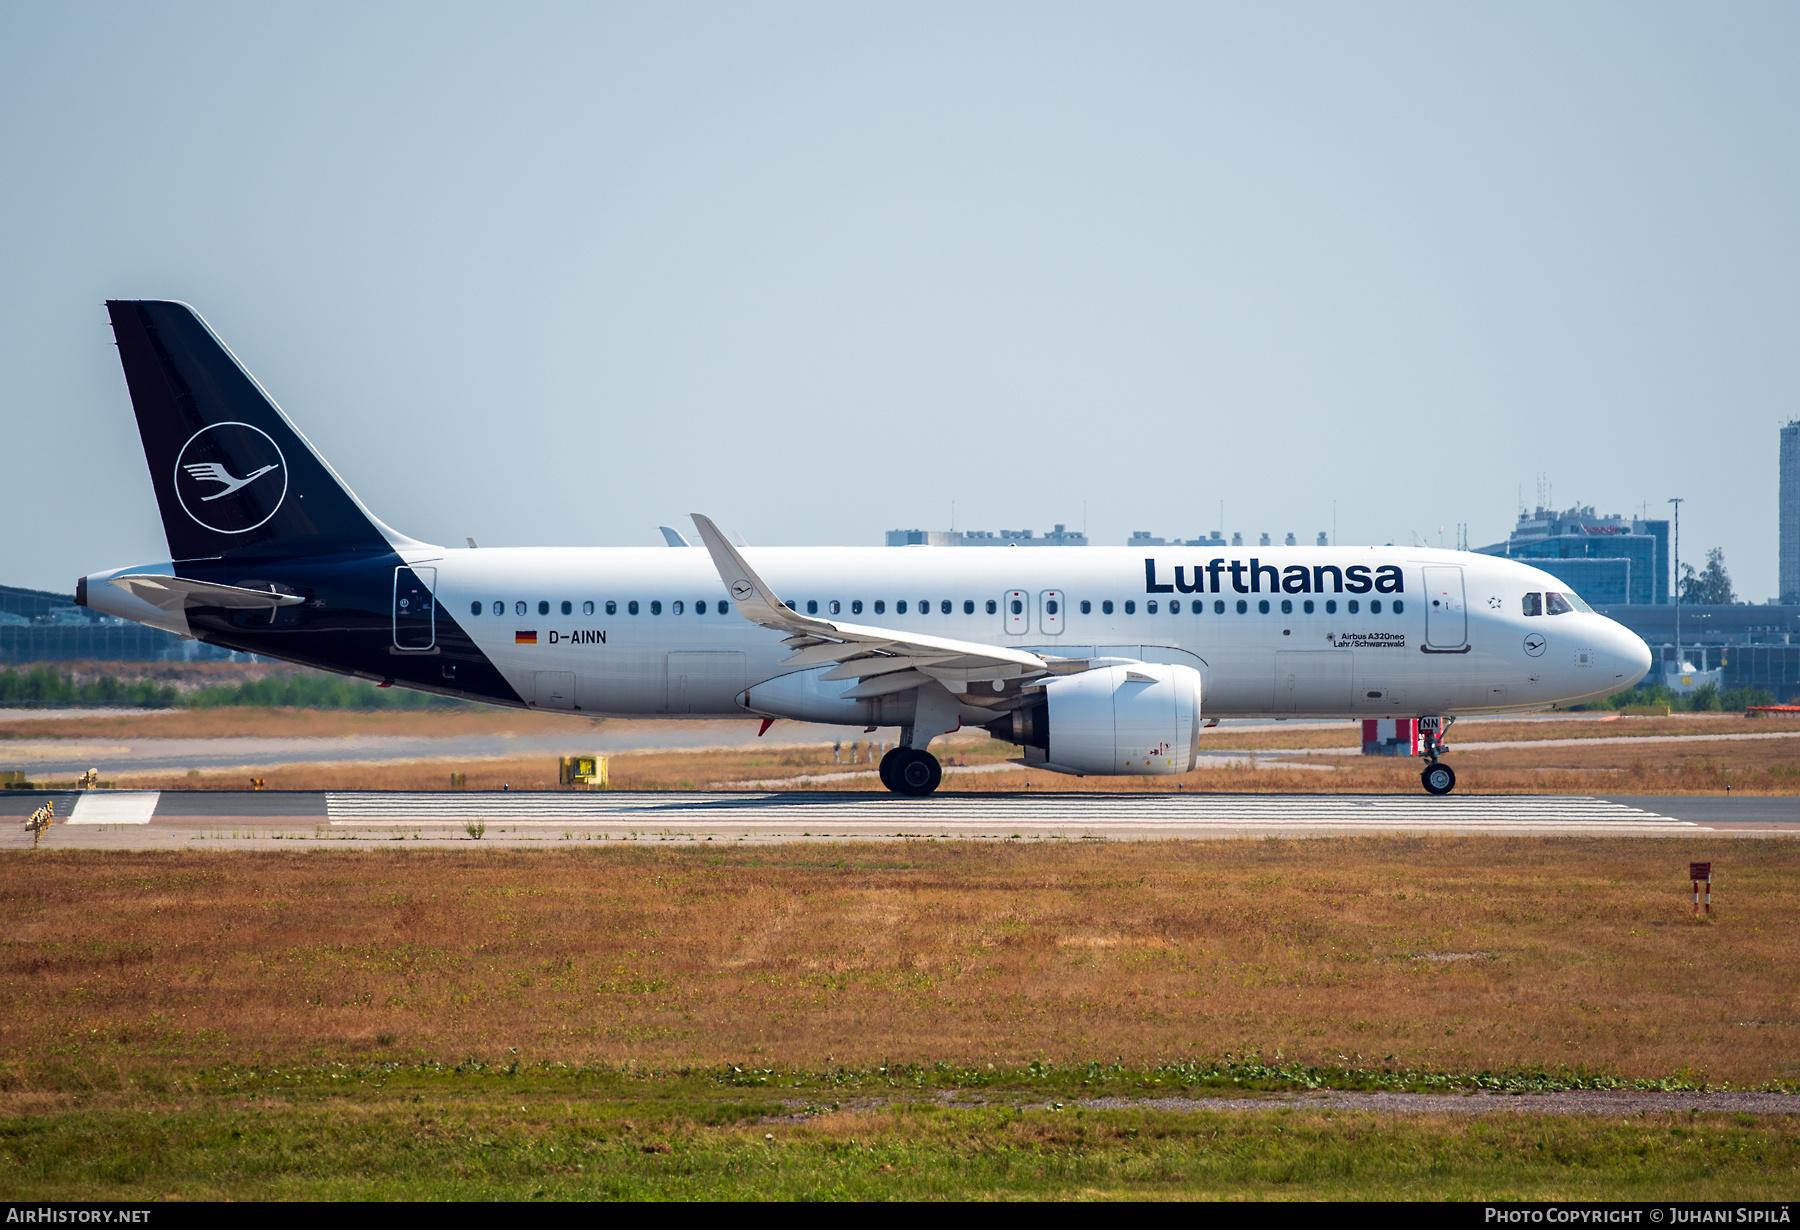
{"points": [[232, 475]]}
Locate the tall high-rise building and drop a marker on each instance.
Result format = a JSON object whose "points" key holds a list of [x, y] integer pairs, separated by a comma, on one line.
{"points": [[1789, 569]]}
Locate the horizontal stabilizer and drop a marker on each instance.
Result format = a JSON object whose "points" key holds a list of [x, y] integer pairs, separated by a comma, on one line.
{"points": [[178, 593]]}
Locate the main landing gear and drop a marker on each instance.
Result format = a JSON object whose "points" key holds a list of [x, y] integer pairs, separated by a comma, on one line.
{"points": [[907, 770], [1438, 778]]}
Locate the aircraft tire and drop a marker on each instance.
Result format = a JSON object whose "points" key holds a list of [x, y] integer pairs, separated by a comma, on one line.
{"points": [[918, 774], [1438, 779], [886, 769]]}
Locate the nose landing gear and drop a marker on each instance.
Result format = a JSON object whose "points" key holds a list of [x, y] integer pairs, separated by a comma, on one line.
{"points": [[907, 770], [1437, 778]]}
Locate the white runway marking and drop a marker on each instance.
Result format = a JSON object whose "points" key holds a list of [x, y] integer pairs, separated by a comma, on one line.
{"points": [[954, 815], [115, 807]]}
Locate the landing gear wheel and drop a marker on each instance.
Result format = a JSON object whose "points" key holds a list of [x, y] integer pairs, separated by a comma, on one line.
{"points": [[1438, 779], [888, 764], [916, 773]]}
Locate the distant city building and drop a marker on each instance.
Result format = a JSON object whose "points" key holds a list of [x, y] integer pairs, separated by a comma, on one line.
{"points": [[1061, 536], [1750, 646], [1789, 516], [1609, 560], [40, 626], [1143, 538]]}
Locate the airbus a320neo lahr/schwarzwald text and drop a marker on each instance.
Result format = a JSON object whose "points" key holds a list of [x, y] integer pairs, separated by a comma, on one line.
{"points": [[1094, 660]]}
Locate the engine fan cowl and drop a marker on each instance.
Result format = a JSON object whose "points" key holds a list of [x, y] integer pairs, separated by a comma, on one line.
{"points": [[1141, 718]]}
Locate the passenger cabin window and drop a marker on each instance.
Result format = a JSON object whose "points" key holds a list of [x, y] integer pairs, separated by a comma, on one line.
{"points": [[968, 606], [1534, 604], [1307, 606], [1218, 606], [833, 606], [1130, 607], [1149, 607], [880, 606], [631, 608], [812, 606], [1331, 606], [475, 608], [518, 608], [900, 607], [1375, 607], [1351, 606], [499, 608], [992, 606], [676, 607], [543, 607], [924, 606], [656, 608], [1262, 606], [944, 607], [723, 606], [1105, 607], [1556, 604], [1399, 606], [1087, 608], [1243, 607], [1287, 606], [568, 608], [612, 607], [1199, 607], [700, 607], [1017, 607], [587, 608], [856, 607]]}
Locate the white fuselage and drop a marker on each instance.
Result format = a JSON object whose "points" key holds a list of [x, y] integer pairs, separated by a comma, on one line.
{"points": [[1460, 641]]}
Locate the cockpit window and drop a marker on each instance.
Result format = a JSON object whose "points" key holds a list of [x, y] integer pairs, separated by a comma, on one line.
{"points": [[1576, 602], [1534, 604], [1556, 604]]}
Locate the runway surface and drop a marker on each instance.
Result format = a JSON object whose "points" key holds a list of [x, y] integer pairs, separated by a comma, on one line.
{"points": [[187, 820]]}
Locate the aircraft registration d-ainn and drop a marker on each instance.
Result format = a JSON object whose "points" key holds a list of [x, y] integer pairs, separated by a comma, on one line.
{"points": [[1094, 660]]}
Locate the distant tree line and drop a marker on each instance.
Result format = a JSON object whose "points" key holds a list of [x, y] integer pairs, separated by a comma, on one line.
{"points": [[1707, 698], [45, 685]]}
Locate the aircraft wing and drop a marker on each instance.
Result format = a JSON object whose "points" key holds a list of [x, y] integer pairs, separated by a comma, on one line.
{"points": [[885, 659]]}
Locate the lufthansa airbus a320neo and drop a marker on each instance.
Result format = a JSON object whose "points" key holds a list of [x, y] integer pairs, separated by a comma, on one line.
{"points": [[1094, 660]]}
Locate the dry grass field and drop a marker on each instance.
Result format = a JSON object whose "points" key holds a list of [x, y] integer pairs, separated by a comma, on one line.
{"points": [[1428, 953]]}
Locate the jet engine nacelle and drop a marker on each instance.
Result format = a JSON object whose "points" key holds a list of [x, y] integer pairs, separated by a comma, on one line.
{"points": [[1137, 718]]}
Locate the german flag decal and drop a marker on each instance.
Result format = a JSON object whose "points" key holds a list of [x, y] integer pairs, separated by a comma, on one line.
{"points": [[524, 638]]}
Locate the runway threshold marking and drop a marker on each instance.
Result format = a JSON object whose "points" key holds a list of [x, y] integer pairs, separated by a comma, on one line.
{"points": [[115, 807]]}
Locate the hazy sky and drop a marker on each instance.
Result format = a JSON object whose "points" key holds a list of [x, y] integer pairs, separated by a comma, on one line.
{"points": [[555, 275]]}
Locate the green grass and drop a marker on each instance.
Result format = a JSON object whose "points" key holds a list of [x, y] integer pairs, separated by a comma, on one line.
{"points": [[478, 1133]]}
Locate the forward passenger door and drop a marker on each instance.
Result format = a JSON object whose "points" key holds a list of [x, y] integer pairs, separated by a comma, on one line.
{"points": [[1446, 613]]}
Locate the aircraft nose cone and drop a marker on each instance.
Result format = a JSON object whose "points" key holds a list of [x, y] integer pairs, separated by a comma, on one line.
{"points": [[1629, 656]]}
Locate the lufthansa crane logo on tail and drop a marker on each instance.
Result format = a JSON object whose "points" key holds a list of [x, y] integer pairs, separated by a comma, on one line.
{"points": [[742, 590], [230, 477]]}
